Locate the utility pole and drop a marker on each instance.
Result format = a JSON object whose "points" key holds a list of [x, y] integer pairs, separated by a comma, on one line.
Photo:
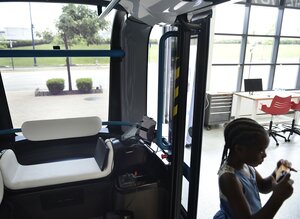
{"points": [[32, 35]]}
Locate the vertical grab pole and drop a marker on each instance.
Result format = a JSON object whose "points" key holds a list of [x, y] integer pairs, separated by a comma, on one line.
{"points": [[179, 116], [198, 114]]}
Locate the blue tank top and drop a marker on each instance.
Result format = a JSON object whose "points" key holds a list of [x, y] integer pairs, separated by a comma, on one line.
{"points": [[249, 188]]}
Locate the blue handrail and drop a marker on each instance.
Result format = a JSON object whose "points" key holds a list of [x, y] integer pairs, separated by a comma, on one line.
{"points": [[62, 53], [161, 78], [10, 131]]}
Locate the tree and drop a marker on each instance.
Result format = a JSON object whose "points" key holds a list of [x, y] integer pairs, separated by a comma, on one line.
{"points": [[3, 43], [78, 22]]}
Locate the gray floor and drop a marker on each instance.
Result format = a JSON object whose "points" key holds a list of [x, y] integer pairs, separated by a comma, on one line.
{"points": [[212, 148]]}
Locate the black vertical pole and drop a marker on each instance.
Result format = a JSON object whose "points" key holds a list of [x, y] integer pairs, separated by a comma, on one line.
{"points": [[179, 116], [5, 121], [198, 114]]}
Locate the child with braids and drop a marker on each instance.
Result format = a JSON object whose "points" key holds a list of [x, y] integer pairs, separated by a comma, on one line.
{"points": [[239, 182]]}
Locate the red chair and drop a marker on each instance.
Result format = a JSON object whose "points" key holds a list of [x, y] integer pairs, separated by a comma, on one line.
{"points": [[279, 106], [294, 128]]}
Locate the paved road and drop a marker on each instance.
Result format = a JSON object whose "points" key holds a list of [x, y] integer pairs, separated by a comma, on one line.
{"points": [[32, 78], [20, 86]]}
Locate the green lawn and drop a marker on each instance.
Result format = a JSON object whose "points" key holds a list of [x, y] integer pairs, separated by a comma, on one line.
{"points": [[27, 62], [229, 53], [222, 53]]}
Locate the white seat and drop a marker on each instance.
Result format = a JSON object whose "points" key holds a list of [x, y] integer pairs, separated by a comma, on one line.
{"points": [[40, 130], [1, 188], [17, 176]]}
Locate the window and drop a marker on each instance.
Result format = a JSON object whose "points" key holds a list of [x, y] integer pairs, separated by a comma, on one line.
{"points": [[259, 23], [223, 78], [285, 71], [253, 51], [290, 24], [259, 50], [222, 46], [229, 18], [26, 28], [257, 71], [289, 50]]}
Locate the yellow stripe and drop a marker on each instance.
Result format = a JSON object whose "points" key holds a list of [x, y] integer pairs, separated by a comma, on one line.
{"points": [[176, 93], [175, 109], [177, 73]]}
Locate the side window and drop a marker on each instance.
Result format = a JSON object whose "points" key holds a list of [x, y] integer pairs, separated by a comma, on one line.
{"points": [[54, 87]]}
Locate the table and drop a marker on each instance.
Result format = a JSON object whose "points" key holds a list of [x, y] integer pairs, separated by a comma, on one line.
{"points": [[256, 97]]}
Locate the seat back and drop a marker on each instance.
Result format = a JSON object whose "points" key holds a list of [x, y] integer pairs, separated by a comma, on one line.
{"points": [[295, 106], [280, 105], [41, 130]]}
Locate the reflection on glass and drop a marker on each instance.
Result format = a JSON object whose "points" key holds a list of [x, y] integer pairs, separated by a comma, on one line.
{"points": [[257, 71], [221, 47], [291, 24], [259, 50], [262, 20], [289, 51], [285, 77], [229, 18], [292, 3], [223, 78], [266, 2]]}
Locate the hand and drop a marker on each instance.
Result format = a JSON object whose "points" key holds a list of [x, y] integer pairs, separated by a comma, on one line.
{"points": [[282, 167], [286, 163], [284, 189]]}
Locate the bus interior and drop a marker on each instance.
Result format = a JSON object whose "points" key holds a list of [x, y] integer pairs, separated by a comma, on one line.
{"points": [[127, 162]]}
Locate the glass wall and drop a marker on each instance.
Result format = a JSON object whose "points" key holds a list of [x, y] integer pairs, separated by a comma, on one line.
{"points": [[255, 39]]}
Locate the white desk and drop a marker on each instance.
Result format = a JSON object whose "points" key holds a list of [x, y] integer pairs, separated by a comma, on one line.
{"points": [[256, 97]]}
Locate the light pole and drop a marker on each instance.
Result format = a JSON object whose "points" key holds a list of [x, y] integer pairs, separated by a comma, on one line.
{"points": [[251, 54], [32, 36]]}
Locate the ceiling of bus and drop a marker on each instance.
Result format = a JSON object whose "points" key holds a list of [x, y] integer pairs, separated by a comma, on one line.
{"points": [[161, 11], [150, 12]]}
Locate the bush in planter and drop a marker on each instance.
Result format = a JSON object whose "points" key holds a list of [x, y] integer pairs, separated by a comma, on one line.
{"points": [[55, 85], [84, 85]]}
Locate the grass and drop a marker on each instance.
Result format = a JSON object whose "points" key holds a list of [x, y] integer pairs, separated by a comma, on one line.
{"points": [[57, 61], [222, 53], [229, 53]]}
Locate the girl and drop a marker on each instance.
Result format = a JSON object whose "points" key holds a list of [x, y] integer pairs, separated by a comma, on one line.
{"points": [[239, 182]]}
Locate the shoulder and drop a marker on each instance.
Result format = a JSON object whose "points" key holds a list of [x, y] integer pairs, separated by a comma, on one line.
{"points": [[225, 168], [228, 179]]}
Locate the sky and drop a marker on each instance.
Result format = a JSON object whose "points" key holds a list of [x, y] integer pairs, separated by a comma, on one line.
{"points": [[20, 16], [44, 15]]}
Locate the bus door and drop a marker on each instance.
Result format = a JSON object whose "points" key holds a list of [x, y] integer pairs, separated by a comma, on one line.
{"points": [[187, 114]]}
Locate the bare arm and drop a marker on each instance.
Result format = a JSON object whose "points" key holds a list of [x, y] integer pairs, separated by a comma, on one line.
{"points": [[265, 185], [232, 189]]}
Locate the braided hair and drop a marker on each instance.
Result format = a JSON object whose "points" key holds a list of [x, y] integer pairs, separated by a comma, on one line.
{"points": [[243, 131]]}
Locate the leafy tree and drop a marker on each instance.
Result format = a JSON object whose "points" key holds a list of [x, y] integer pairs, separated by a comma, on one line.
{"points": [[47, 35], [3, 44], [79, 22]]}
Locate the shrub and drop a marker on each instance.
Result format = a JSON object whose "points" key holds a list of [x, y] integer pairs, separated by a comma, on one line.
{"points": [[84, 85], [55, 85]]}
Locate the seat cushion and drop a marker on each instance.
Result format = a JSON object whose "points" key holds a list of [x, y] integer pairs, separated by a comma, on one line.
{"points": [[17, 176]]}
